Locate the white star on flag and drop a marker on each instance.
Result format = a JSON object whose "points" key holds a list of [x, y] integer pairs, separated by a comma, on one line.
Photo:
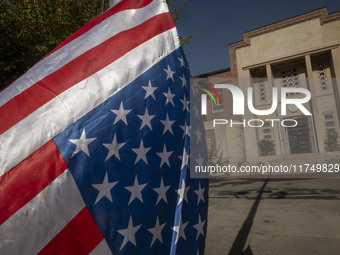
{"points": [[169, 73], [121, 114], [167, 124], [169, 97], [199, 160], [180, 230], [186, 129], [184, 81], [149, 91], [161, 191], [136, 190], [200, 193], [199, 135], [181, 59], [197, 111], [141, 152], [183, 193], [129, 233], [164, 156], [157, 232], [185, 104], [104, 189], [199, 226], [113, 148], [82, 144], [146, 119], [184, 158]]}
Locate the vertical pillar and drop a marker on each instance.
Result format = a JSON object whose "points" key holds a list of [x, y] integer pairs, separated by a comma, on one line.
{"points": [[250, 134], [335, 71], [316, 143], [278, 141]]}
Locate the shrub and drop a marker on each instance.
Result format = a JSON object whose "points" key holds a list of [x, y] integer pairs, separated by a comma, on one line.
{"points": [[331, 142], [267, 147]]}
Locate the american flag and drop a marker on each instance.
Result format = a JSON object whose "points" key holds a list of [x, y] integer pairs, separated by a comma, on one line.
{"points": [[94, 144]]}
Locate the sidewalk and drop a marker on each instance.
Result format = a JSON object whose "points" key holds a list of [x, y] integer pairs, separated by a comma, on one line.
{"points": [[309, 225]]}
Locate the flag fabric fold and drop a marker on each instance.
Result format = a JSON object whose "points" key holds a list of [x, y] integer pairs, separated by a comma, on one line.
{"points": [[94, 144]]}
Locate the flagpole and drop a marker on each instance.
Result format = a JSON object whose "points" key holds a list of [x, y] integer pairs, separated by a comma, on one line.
{"points": [[113, 2], [103, 5]]}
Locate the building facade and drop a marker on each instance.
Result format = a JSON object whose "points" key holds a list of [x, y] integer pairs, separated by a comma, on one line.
{"points": [[300, 52]]}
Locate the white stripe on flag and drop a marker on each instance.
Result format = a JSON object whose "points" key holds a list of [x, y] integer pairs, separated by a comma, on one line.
{"points": [[37, 223], [52, 118], [101, 249], [108, 28]]}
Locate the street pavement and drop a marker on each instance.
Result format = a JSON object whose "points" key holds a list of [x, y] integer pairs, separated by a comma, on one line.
{"points": [[260, 217]]}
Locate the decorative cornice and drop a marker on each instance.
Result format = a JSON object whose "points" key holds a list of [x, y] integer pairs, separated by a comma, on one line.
{"points": [[321, 14]]}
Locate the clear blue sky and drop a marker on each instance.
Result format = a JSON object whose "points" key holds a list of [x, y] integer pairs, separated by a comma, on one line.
{"points": [[217, 23]]}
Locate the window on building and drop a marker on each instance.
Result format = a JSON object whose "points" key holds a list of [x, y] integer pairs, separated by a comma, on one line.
{"points": [[322, 77], [267, 137], [330, 122], [262, 90], [290, 79], [266, 130], [329, 116], [331, 131]]}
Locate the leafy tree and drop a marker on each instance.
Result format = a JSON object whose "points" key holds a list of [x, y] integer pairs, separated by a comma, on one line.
{"points": [[29, 29], [176, 12]]}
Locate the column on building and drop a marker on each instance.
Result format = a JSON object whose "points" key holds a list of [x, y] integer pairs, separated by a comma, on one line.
{"points": [[250, 134], [325, 95], [335, 66], [316, 122], [276, 130]]}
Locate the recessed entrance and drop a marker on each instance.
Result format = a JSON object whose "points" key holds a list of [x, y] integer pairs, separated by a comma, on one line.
{"points": [[299, 140]]}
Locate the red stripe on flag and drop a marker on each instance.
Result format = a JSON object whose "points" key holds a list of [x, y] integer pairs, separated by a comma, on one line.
{"points": [[79, 69], [80, 236], [29, 178], [121, 6]]}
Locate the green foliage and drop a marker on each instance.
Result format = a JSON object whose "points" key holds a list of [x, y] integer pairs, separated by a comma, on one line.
{"points": [[267, 147], [186, 39], [31, 28], [331, 142], [176, 13]]}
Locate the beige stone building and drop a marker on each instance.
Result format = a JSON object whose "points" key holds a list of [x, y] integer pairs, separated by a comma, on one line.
{"points": [[279, 55]]}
